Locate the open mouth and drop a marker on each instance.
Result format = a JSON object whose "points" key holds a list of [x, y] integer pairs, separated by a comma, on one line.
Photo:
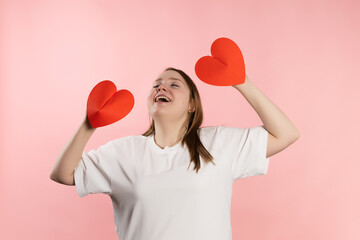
{"points": [[162, 99]]}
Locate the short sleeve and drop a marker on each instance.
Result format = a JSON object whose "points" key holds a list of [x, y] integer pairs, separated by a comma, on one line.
{"points": [[94, 171], [247, 147]]}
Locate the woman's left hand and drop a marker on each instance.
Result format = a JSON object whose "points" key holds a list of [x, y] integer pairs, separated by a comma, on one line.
{"points": [[225, 67], [241, 84]]}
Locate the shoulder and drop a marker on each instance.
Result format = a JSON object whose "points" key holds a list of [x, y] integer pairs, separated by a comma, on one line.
{"points": [[218, 137], [129, 141], [211, 132], [229, 132], [207, 129], [218, 129]]}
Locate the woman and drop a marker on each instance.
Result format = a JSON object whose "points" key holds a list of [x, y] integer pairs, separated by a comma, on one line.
{"points": [[154, 193]]}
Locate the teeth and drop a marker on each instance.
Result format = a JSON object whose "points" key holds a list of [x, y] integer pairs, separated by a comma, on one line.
{"points": [[162, 97]]}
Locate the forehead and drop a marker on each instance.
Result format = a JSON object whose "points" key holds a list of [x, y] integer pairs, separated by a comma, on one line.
{"points": [[171, 75]]}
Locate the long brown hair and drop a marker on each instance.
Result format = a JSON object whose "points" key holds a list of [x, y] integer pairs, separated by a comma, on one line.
{"points": [[191, 137]]}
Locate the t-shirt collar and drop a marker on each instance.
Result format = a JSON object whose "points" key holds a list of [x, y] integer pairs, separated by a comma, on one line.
{"points": [[165, 149]]}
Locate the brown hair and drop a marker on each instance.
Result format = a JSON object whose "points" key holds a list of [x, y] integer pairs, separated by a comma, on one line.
{"points": [[191, 137]]}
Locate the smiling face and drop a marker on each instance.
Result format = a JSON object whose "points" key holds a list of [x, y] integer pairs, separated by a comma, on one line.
{"points": [[173, 87]]}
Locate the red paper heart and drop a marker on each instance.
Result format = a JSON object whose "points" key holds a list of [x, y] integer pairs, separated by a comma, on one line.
{"points": [[225, 67], [105, 105]]}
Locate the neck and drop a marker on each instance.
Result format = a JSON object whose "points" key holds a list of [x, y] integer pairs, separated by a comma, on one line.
{"points": [[168, 134]]}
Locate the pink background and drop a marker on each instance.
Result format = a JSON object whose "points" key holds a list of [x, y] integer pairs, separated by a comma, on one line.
{"points": [[303, 55]]}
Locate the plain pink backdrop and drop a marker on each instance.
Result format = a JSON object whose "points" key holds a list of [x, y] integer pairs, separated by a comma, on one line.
{"points": [[303, 55]]}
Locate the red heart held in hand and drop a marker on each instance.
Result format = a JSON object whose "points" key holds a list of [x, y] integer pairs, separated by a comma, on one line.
{"points": [[225, 67], [105, 105]]}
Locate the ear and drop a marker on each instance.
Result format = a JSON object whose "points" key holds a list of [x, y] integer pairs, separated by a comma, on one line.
{"points": [[192, 106]]}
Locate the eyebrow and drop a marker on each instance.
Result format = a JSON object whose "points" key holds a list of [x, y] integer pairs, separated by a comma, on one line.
{"points": [[172, 78]]}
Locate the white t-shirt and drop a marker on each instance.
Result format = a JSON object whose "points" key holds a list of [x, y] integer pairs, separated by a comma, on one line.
{"points": [[155, 196]]}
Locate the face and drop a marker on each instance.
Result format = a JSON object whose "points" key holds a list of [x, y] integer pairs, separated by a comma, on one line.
{"points": [[177, 104]]}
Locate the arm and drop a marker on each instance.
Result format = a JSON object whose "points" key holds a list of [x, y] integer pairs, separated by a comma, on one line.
{"points": [[69, 158], [282, 132]]}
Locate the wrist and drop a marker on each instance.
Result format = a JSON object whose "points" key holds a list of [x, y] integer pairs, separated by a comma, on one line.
{"points": [[242, 86], [87, 124]]}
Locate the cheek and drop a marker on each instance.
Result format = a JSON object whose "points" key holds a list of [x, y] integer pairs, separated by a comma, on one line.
{"points": [[150, 95], [184, 101]]}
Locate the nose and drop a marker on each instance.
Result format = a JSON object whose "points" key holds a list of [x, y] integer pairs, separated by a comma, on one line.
{"points": [[158, 89]]}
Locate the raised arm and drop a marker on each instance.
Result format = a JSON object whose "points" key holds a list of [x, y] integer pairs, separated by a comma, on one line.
{"points": [[282, 132], [69, 158]]}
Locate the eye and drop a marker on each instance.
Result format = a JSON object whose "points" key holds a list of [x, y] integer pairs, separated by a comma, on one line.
{"points": [[155, 86], [174, 84]]}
